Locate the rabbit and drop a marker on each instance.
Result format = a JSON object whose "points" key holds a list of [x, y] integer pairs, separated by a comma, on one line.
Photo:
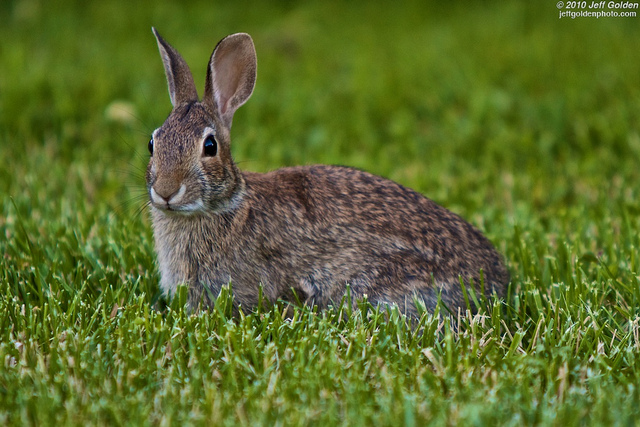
{"points": [[304, 233]]}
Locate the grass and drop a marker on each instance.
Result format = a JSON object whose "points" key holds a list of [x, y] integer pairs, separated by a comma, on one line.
{"points": [[525, 124]]}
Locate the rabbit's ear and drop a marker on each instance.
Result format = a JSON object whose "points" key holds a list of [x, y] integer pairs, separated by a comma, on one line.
{"points": [[182, 89], [231, 75]]}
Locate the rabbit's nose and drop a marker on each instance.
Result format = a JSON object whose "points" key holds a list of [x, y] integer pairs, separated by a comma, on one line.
{"points": [[167, 195]]}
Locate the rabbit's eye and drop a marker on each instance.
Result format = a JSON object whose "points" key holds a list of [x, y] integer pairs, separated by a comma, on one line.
{"points": [[150, 146], [210, 146]]}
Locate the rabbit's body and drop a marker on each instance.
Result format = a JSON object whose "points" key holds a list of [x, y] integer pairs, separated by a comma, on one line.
{"points": [[284, 236], [305, 230]]}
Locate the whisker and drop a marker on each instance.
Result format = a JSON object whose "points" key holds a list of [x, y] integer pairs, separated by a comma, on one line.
{"points": [[125, 205]]}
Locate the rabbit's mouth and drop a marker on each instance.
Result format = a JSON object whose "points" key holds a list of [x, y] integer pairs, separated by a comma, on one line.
{"points": [[184, 209], [175, 203]]}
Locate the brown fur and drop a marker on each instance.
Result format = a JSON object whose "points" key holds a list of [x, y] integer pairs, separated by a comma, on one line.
{"points": [[309, 230]]}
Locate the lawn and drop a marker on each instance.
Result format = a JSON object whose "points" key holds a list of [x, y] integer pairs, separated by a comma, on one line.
{"points": [[525, 124]]}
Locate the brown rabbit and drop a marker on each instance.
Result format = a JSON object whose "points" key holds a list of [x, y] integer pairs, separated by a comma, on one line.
{"points": [[300, 232]]}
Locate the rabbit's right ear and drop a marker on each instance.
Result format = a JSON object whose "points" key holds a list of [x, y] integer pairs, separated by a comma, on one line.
{"points": [[182, 89], [231, 75]]}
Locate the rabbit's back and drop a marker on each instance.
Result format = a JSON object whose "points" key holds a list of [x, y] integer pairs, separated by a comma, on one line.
{"points": [[320, 227]]}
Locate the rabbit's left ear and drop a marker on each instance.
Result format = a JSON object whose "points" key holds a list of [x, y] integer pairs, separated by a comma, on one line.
{"points": [[231, 75], [182, 89]]}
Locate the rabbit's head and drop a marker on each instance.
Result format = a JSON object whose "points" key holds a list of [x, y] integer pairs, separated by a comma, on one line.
{"points": [[191, 170]]}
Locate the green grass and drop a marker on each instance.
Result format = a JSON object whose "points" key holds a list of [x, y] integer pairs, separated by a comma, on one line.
{"points": [[525, 124]]}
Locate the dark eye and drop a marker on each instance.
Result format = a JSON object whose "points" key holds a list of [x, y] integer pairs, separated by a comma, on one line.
{"points": [[210, 146], [150, 146]]}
